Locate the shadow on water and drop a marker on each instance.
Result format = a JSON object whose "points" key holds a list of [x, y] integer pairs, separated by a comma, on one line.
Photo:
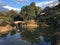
{"points": [[25, 37]]}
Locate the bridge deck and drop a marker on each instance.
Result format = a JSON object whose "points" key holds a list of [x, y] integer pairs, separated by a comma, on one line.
{"points": [[16, 22]]}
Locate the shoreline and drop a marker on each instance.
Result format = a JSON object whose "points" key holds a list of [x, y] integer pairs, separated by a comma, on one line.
{"points": [[6, 27]]}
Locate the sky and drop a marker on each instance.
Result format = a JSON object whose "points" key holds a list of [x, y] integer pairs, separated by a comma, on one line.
{"points": [[18, 4]]}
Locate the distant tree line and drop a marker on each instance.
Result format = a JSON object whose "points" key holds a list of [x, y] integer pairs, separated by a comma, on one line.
{"points": [[7, 16]]}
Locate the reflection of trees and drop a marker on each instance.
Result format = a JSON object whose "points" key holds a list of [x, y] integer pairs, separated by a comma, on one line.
{"points": [[3, 35], [32, 37], [13, 33]]}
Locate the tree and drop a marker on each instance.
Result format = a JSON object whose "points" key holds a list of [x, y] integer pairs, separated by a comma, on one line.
{"points": [[33, 4], [23, 10], [37, 10], [30, 11], [3, 13], [12, 13], [59, 1], [4, 17]]}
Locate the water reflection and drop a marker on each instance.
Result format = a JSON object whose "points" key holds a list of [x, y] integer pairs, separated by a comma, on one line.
{"points": [[30, 36], [25, 37], [13, 33]]}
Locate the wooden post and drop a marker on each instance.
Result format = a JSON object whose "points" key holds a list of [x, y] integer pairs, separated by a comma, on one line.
{"points": [[22, 25], [17, 26]]}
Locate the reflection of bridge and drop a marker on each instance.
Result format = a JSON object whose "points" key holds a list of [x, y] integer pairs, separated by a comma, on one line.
{"points": [[20, 24]]}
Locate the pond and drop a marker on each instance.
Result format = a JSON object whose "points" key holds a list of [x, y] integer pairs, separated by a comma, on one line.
{"points": [[23, 38], [16, 40]]}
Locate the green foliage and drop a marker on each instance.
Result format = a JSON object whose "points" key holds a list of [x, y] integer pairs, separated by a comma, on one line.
{"points": [[37, 10], [3, 13], [30, 11], [7, 16], [5, 19], [33, 4], [23, 10], [12, 13]]}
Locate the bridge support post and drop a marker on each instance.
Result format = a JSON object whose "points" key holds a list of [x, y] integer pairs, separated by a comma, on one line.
{"points": [[20, 25], [16, 26]]}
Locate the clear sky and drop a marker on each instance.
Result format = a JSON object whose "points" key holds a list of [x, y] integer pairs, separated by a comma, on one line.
{"points": [[17, 4]]}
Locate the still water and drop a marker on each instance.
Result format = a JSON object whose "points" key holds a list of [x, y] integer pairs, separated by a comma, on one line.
{"points": [[17, 38]]}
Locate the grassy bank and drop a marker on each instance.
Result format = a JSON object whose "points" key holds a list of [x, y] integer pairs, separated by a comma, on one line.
{"points": [[31, 24], [6, 29]]}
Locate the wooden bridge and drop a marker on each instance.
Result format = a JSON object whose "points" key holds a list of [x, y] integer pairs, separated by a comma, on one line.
{"points": [[20, 24], [16, 22]]}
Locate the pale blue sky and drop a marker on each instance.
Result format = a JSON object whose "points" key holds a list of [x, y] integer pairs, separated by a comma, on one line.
{"points": [[17, 4]]}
